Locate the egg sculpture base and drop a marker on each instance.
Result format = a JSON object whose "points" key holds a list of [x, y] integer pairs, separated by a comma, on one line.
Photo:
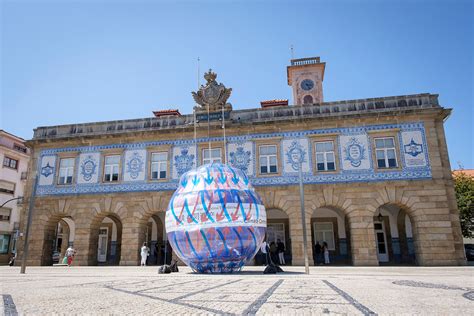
{"points": [[215, 220]]}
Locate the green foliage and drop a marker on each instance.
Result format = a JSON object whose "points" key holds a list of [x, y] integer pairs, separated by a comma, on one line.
{"points": [[464, 187]]}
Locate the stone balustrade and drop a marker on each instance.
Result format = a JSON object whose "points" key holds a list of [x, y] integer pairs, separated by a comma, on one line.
{"points": [[254, 115]]}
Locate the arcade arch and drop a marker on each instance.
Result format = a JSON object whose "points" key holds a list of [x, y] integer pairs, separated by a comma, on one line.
{"points": [[394, 235], [329, 224], [59, 234]]}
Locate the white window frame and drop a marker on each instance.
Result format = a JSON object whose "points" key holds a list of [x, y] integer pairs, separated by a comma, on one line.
{"points": [[68, 171], [267, 158], [325, 156], [6, 210], [333, 247], [385, 152], [161, 165], [7, 161], [111, 168], [211, 158]]}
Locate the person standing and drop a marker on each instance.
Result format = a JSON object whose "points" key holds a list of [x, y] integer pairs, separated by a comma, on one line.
{"points": [[263, 249], [273, 253], [326, 253], [70, 253], [145, 251], [317, 252], [281, 251]]}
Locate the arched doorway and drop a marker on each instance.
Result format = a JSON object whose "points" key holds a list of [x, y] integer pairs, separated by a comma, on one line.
{"points": [[59, 233], [393, 235], [278, 227], [328, 224], [106, 239], [156, 239]]}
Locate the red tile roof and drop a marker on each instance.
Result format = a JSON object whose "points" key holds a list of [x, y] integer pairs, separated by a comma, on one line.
{"points": [[166, 113], [469, 172], [269, 103]]}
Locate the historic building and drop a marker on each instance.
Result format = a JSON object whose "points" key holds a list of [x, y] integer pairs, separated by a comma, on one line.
{"points": [[377, 179], [14, 156]]}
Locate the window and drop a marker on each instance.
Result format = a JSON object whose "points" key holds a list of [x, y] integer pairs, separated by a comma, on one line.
{"points": [[385, 152], [324, 232], [5, 214], [268, 159], [4, 243], [111, 168], [19, 148], [7, 187], [325, 160], [275, 231], [66, 170], [10, 162], [214, 156], [158, 165]]}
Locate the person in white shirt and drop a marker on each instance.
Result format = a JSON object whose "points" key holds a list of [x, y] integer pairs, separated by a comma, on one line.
{"points": [[70, 253], [144, 253]]}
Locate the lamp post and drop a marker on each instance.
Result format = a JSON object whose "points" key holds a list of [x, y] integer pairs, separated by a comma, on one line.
{"points": [[303, 217], [28, 224], [17, 198]]}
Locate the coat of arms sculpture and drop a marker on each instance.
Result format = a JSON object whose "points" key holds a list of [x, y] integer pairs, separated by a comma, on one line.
{"points": [[213, 96]]}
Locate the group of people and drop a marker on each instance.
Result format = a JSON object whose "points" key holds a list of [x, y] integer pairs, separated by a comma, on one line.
{"points": [[163, 249], [321, 253], [274, 253]]}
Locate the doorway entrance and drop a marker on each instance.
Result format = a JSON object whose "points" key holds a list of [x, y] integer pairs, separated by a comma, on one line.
{"points": [[381, 241], [102, 247]]}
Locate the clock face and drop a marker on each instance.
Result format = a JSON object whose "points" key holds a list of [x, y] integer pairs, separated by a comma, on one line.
{"points": [[307, 84]]}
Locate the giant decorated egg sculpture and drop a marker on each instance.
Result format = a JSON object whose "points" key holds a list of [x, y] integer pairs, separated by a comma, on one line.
{"points": [[215, 220]]}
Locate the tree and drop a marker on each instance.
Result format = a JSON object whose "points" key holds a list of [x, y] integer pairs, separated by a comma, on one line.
{"points": [[464, 187]]}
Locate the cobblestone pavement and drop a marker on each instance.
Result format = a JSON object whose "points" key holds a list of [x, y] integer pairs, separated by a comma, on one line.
{"points": [[327, 290]]}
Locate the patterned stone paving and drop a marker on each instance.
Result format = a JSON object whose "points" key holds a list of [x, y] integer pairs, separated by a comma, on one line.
{"points": [[136, 290]]}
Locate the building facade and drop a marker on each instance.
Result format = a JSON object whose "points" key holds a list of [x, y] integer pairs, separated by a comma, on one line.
{"points": [[376, 173], [15, 157]]}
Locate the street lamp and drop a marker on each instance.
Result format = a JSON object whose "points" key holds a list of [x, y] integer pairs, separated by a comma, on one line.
{"points": [[20, 198], [299, 158], [28, 224]]}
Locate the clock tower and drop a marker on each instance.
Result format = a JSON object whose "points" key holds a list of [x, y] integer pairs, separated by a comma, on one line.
{"points": [[305, 76]]}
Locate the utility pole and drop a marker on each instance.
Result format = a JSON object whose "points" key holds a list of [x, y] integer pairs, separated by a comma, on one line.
{"points": [[28, 225], [303, 217]]}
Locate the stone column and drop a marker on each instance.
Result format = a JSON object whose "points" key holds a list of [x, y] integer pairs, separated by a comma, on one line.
{"points": [[296, 235], [433, 237], [363, 246], [133, 237]]}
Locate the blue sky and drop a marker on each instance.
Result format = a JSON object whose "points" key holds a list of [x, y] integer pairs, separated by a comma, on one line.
{"points": [[80, 61]]}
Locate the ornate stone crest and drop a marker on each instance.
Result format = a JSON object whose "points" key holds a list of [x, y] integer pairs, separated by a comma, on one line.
{"points": [[295, 155], [213, 95], [240, 159], [354, 152], [413, 148], [135, 165], [183, 162], [88, 167], [47, 170]]}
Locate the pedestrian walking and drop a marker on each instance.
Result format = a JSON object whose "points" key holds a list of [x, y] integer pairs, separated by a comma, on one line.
{"points": [[11, 262], [317, 252], [281, 251], [326, 253], [70, 253], [145, 251]]}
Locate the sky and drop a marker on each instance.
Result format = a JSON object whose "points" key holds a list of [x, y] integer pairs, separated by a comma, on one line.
{"points": [[65, 62]]}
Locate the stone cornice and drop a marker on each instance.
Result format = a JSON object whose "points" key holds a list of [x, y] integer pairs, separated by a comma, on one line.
{"points": [[339, 109]]}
